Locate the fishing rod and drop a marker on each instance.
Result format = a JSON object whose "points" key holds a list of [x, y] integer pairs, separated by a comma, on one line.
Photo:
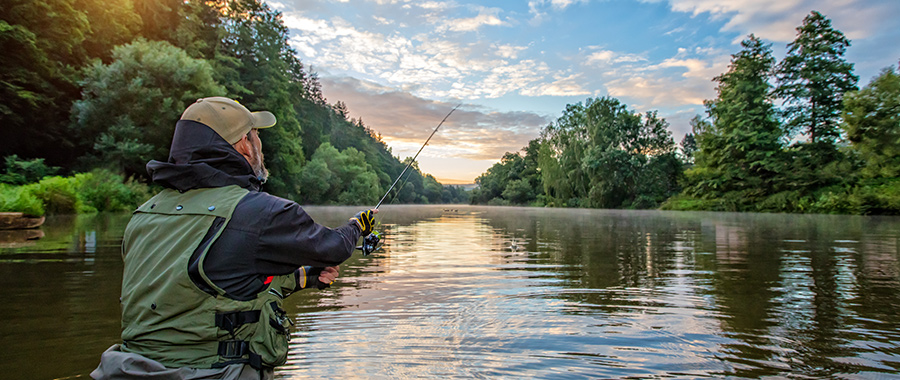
{"points": [[414, 157], [370, 243]]}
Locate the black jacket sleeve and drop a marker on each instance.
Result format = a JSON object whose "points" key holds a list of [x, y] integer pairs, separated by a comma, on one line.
{"points": [[270, 236], [289, 238]]}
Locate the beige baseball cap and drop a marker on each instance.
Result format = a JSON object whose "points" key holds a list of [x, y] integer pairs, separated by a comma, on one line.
{"points": [[227, 117]]}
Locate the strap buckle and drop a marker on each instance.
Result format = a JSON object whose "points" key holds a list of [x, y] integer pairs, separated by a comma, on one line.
{"points": [[233, 349]]}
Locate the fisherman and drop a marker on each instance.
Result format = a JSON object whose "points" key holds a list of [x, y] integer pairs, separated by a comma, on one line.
{"points": [[209, 260]]}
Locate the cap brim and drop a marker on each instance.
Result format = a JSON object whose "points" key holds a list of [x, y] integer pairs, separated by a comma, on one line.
{"points": [[263, 119]]}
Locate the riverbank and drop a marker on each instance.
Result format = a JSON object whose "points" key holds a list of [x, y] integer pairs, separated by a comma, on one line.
{"points": [[98, 190]]}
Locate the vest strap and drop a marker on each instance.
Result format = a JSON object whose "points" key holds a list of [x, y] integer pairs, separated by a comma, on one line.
{"points": [[233, 320], [235, 350]]}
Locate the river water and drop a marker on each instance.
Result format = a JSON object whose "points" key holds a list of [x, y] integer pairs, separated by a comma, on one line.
{"points": [[498, 292]]}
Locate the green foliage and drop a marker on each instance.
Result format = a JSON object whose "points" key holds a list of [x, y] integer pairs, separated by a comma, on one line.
{"points": [[99, 190], [597, 154], [129, 107], [688, 148], [685, 202], [19, 199], [516, 179], [600, 154], [813, 78], [41, 41], [259, 68], [59, 195], [20, 172], [455, 194], [872, 123], [518, 191], [344, 177], [102, 190], [739, 151]]}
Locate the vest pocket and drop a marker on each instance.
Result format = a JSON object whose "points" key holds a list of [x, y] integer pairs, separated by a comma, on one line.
{"points": [[275, 325]]}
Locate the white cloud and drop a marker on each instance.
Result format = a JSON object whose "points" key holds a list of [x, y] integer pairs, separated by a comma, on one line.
{"points": [[776, 20], [607, 56], [470, 24], [696, 68], [406, 120], [427, 64], [509, 51], [655, 91], [382, 20], [572, 85]]}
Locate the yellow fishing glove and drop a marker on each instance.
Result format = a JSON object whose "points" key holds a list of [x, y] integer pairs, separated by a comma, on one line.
{"points": [[365, 219]]}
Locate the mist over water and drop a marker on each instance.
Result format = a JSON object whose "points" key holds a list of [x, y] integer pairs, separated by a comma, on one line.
{"points": [[498, 292]]}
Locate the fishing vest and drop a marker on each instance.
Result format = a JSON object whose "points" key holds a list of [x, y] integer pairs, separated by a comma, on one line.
{"points": [[172, 312]]}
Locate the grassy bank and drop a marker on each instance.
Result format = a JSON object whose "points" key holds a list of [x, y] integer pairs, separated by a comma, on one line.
{"points": [[98, 190]]}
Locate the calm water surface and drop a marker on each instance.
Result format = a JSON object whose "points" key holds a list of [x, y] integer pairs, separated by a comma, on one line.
{"points": [[491, 292]]}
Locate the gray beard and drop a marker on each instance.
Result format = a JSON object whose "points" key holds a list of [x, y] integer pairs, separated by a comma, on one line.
{"points": [[261, 172], [259, 168]]}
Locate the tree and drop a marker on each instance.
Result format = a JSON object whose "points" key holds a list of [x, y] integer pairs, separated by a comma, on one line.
{"points": [[688, 147], [813, 78], [872, 123], [129, 107], [598, 154], [689, 141], [739, 150], [21, 172], [42, 51], [516, 179], [112, 23], [340, 177]]}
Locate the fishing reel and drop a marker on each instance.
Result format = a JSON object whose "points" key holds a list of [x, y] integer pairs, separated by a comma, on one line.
{"points": [[370, 244]]}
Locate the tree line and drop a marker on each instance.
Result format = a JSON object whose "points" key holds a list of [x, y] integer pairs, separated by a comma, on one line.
{"points": [[90, 84], [791, 136]]}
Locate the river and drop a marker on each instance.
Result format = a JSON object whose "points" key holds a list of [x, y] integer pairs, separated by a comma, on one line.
{"points": [[499, 292]]}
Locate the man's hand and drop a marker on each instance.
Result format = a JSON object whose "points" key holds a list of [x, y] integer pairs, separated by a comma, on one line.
{"points": [[329, 274], [365, 220]]}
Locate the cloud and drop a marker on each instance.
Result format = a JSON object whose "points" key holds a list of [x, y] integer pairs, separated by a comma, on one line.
{"points": [[471, 24], [405, 121], [607, 56], [536, 8], [428, 64], [682, 80], [776, 20]]}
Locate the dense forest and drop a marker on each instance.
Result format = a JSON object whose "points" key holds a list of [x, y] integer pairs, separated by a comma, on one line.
{"points": [[92, 85], [790, 136]]}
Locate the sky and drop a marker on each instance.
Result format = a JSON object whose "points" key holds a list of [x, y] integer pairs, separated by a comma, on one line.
{"points": [[402, 65]]}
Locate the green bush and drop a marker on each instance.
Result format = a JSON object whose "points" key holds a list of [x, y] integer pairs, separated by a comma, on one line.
{"points": [[785, 201], [835, 201], [877, 197], [20, 199], [58, 194], [102, 190], [21, 172], [684, 202]]}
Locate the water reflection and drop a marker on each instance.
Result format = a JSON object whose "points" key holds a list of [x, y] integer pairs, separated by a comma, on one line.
{"points": [[494, 292], [61, 297]]}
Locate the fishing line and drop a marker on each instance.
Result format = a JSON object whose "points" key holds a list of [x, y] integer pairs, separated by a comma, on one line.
{"points": [[370, 243], [414, 158]]}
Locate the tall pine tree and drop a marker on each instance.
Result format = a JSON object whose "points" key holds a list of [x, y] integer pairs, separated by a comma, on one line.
{"points": [[738, 152], [813, 78]]}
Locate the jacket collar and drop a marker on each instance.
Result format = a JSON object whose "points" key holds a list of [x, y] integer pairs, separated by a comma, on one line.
{"points": [[200, 158]]}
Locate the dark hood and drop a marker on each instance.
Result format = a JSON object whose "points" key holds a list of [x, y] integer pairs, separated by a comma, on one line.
{"points": [[200, 158]]}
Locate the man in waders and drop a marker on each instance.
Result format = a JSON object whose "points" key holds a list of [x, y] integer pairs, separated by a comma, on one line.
{"points": [[209, 260]]}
